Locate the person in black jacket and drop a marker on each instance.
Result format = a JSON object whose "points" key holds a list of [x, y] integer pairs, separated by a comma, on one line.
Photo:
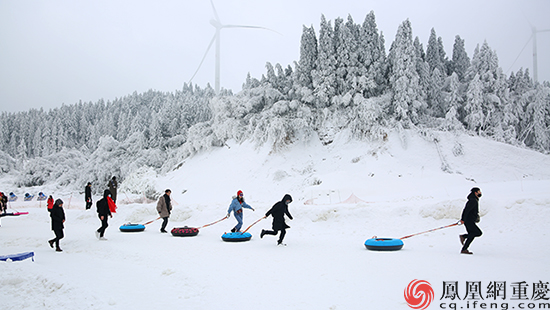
{"points": [[88, 195], [470, 216], [278, 212], [58, 218], [103, 211], [113, 188]]}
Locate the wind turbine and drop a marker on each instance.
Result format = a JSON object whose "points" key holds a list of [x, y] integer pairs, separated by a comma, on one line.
{"points": [[219, 26], [535, 65], [535, 62]]}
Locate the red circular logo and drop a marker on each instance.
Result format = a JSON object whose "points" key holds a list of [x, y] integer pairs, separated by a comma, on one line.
{"points": [[419, 294]]}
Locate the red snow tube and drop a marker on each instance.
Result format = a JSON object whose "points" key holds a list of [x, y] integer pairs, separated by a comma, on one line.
{"points": [[184, 231]]}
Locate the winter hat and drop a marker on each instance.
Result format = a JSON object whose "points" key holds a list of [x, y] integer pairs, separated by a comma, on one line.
{"points": [[59, 202], [240, 193], [475, 189]]}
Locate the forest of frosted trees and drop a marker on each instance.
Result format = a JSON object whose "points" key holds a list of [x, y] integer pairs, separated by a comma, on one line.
{"points": [[344, 81]]}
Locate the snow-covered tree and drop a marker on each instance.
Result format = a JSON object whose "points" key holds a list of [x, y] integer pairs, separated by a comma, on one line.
{"points": [[538, 114], [324, 79], [474, 119], [404, 80], [308, 57], [460, 62], [372, 56], [434, 56]]}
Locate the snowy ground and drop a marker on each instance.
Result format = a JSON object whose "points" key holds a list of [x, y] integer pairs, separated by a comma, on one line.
{"points": [[325, 265]]}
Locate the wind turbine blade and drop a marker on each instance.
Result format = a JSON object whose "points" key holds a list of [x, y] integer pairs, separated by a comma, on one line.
{"points": [[520, 53], [250, 27], [215, 12], [203, 57]]}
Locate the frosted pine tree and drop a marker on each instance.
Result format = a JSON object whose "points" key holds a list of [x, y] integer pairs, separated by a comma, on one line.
{"points": [[494, 88], [474, 118], [372, 56], [460, 62], [423, 69], [404, 81], [521, 93], [347, 55], [453, 102], [354, 66], [436, 103], [324, 80], [444, 61], [538, 113], [308, 57], [434, 58]]}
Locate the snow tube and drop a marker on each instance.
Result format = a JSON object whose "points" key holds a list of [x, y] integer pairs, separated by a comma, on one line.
{"points": [[13, 214], [17, 257], [236, 236], [132, 227], [28, 197], [41, 196], [384, 244], [184, 231], [12, 197]]}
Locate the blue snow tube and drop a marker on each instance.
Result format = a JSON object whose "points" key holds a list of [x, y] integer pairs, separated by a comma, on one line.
{"points": [[236, 236], [132, 227], [384, 244], [17, 257]]}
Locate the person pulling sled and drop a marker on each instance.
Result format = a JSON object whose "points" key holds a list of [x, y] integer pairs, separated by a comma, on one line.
{"points": [[470, 216], [278, 212], [236, 207]]}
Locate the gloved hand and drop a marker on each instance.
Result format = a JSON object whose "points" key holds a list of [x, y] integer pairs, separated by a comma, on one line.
{"points": [[228, 215], [253, 209]]}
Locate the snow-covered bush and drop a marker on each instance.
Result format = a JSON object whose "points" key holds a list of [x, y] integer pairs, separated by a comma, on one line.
{"points": [[7, 163], [141, 182]]}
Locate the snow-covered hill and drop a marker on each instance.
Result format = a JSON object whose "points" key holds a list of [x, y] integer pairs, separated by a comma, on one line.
{"points": [[408, 183]]}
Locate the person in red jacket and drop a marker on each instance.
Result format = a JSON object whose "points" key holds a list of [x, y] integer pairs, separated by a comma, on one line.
{"points": [[50, 203]]}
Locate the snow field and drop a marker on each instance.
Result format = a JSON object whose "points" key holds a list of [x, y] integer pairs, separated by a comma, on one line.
{"points": [[325, 265]]}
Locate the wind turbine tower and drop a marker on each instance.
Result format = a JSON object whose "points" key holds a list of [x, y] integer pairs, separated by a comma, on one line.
{"points": [[219, 26]]}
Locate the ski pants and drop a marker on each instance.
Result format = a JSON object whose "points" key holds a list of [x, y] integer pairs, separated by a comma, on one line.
{"points": [[58, 236], [274, 232], [104, 226], [473, 231]]}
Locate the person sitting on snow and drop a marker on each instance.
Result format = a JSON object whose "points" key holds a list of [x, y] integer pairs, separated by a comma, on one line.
{"points": [[237, 206], [278, 212]]}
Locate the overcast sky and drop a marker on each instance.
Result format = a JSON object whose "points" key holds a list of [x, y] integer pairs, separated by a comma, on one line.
{"points": [[55, 52]]}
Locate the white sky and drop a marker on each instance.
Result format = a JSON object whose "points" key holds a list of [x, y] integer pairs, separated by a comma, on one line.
{"points": [[54, 52]]}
